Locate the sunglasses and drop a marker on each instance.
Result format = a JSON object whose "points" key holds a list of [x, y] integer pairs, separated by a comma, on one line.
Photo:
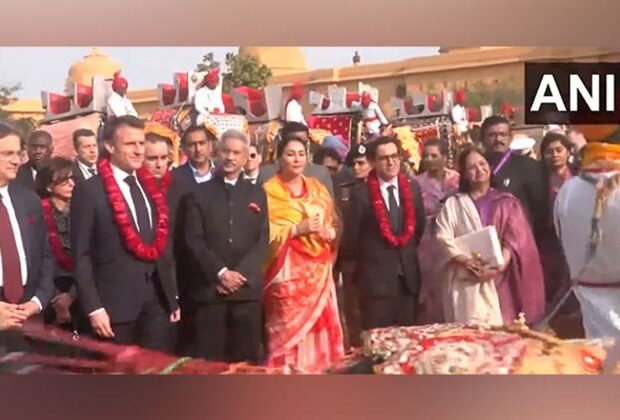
{"points": [[64, 180]]}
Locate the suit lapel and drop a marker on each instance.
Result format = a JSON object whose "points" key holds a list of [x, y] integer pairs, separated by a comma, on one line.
{"points": [[190, 173], [77, 172], [21, 212]]}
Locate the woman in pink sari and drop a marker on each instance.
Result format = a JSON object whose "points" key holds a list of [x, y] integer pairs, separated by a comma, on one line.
{"points": [[475, 294], [302, 324], [436, 183]]}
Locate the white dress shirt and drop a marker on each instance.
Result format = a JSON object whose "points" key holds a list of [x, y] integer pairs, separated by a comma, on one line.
{"points": [[119, 176], [251, 177], [34, 173], [119, 106], [23, 264], [383, 186], [206, 101], [294, 112], [198, 176], [85, 169]]}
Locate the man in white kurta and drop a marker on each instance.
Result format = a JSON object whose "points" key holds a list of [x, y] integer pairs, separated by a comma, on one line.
{"points": [[460, 119], [294, 111], [118, 104], [208, 99], [574, 209], [372, 115]]}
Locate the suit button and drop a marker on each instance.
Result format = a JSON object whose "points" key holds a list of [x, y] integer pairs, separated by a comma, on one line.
{"points": [[230, 222], [230, 240]]}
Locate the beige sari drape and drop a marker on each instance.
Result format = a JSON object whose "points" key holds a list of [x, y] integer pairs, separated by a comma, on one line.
{"points": [[464, 301]]}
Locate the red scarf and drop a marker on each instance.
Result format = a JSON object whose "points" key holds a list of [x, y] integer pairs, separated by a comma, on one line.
{"points": [[123, 219], [406, 198], [64, 261]]}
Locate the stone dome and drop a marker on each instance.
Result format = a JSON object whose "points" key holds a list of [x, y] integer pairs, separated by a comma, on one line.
{"points": [[281, 60], [95, 63]]}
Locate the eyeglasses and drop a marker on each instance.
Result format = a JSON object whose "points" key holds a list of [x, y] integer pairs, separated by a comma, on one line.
{"points": [[385, 159]]}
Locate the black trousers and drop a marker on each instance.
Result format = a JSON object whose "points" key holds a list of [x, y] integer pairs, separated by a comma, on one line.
{"points": [[400, 310], [229, 331], [152, 329]]}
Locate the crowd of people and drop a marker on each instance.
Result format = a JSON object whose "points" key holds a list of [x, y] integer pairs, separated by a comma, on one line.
{"points": [[231, 259]]}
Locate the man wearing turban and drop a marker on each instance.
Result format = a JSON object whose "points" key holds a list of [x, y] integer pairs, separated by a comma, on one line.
{"points": [[208, 99], [293, 110], [586, 215], [372, 115], [118, 104]]}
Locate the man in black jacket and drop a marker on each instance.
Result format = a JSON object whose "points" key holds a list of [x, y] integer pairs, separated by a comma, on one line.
{"points": [[128, 294], [378, 220], [197, 147], [39, 148], [87, 149], [519, 175], [226, 235], [27, 262]]}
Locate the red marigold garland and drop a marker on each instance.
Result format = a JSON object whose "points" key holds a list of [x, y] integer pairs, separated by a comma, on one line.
{"points": [[406, 198], [64, 261], [123, 219]]}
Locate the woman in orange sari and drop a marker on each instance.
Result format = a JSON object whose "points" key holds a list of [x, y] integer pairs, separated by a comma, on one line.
{"points": [[302, 324]]}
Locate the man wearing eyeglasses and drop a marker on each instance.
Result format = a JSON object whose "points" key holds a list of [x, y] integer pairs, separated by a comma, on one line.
{"points": [[252, 167], [383, 227], [519, 175], [27, 262], [39, 148]]}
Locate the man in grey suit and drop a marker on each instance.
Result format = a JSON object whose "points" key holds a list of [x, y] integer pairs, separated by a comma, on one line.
{"points": [[300, 131]]}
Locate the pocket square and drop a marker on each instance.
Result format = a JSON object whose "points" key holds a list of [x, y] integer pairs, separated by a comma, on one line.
{"points": [[254, 207]]}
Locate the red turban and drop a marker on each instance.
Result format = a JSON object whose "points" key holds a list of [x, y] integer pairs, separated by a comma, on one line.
{"points": [[460, 97], [119, 82], [213, 77], [366, 99], [297, 92]]}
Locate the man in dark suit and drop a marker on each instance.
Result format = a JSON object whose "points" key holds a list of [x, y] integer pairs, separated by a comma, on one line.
{"points": [[27, 268], [157, 162], [227, 235], [129, 297], [198, 149], [39, 148], [388, 274], [298, 130], [519, 175], [252, 167], [87, 149]]}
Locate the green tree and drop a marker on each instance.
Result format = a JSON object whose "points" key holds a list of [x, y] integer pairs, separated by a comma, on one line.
{"points": [[24, 125], [242, 70]]}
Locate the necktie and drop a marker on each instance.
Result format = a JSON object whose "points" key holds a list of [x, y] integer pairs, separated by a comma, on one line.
{"points": [[11, 269], [142, 213], [393, 211], [91, 171]]}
